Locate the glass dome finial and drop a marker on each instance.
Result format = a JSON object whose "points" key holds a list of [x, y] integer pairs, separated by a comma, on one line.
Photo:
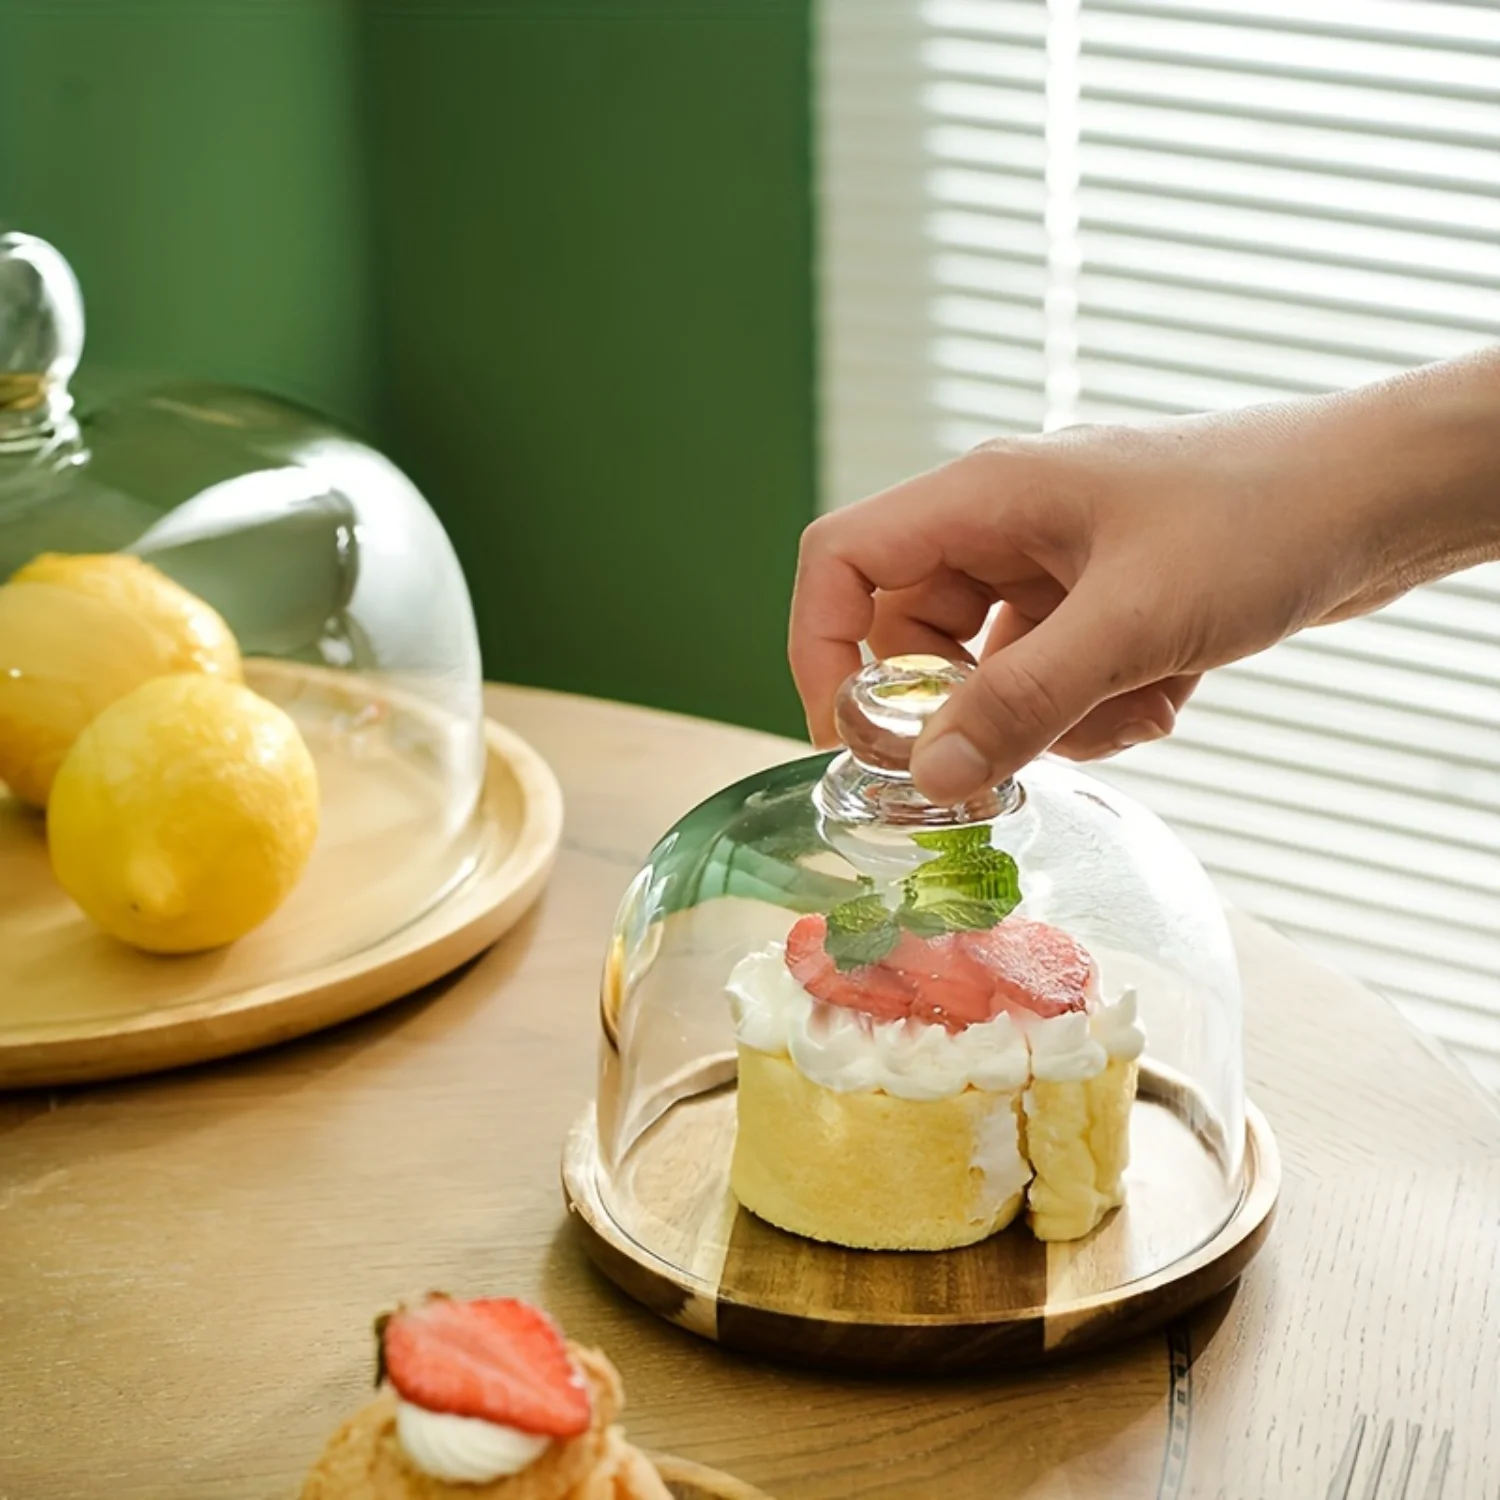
{"points": [[41, 341], [879, 713]]}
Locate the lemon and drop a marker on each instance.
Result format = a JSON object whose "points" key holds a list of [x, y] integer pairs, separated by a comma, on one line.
{"points": [[184, 814], [190, 636], [78, 632]]}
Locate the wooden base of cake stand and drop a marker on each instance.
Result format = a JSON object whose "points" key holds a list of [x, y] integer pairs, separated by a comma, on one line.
{"points": [[690, 1481], [386, 904], [719, 1272]]}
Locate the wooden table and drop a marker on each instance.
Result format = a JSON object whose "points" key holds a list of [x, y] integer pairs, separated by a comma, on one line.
{"points": [[189, 1265]]}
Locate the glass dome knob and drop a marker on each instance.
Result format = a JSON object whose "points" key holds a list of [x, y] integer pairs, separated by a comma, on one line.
{"points": [[879, 714], [880, 711], [41, 339]]}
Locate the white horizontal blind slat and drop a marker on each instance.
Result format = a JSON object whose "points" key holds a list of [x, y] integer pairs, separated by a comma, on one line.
{"points": [[1186, 126], [932, 249], [1465, 26], [1274, 197], [1317, 52]]}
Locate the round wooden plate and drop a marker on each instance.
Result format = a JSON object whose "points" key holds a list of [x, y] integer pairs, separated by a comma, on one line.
{"points": [[1010, 1300], [383, 908], [690, 1481]]}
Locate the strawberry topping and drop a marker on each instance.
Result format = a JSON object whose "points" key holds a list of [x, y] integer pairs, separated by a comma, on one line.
{"points": [[951, 987], [495, 1359], [1020, 967], [876, 989], [1036, 968]]}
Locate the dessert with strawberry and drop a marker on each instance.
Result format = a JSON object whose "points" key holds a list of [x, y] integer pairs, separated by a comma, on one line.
{"points": [[484, 1400], [915, 1068]]}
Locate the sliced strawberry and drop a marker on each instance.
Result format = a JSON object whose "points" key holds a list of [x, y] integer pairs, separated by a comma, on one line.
{"points": [[954, 980], [1036, 968], [875, 989], [496, 1359], [805, 954], [950, 987], [879, 992]]}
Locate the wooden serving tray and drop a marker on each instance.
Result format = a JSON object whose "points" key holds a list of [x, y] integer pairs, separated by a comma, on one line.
{"points": [[1010, 1300], [381, 910]]}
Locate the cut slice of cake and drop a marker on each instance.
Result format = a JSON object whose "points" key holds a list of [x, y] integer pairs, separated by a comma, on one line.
{"points": [[1083, 1073], [1078, 1141]]}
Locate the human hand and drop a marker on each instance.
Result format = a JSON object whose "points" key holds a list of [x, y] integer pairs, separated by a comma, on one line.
{"points": [[1127, 562]]}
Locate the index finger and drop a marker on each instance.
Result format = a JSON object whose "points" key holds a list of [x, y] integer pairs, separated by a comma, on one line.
{"points": [[845, 558], [893, 540]]}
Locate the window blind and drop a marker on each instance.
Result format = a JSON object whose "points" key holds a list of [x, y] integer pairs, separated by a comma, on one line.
{"points": [[1039, 213]]}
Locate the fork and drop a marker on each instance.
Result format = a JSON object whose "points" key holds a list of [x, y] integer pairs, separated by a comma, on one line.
{"points": [[1342, 1487]]}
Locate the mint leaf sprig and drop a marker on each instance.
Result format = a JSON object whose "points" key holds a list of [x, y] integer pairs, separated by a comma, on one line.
{"points": [[861, 932], [966, 874], [969, 887]]}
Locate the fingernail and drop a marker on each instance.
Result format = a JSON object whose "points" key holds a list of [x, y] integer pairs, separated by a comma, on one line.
{"points": [[950, 768], [1141, 732]]}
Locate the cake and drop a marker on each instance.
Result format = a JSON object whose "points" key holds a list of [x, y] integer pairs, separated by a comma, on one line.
{"points": [[484, 1400], [911, 1077], [883, 1133]]}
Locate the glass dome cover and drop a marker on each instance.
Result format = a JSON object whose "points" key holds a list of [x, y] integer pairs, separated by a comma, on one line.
{"points": [[837, 1014], [342, 590]]}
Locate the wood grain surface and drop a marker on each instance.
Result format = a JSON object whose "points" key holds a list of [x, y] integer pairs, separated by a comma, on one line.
{"points": [[189, 1265]]}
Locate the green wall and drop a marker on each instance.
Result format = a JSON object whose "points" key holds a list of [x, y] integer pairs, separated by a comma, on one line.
{"points": [[200, 167], [553, 255]]}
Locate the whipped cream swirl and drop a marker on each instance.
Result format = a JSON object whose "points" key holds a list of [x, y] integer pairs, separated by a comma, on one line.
{"points": [[848, 1051], [464, 1450], [1076, 1046], [1063, 1049], [1117, 1028]]}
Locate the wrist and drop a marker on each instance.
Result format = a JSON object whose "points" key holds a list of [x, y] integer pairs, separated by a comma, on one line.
{"points": [[1423, 456]]}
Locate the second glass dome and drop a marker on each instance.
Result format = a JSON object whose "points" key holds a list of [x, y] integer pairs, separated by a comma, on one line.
{"points": [[893, 1027], [341, 590]]}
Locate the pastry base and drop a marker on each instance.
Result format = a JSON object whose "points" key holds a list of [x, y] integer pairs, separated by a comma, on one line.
{"points": [[364, 1459], [864, 1170]]}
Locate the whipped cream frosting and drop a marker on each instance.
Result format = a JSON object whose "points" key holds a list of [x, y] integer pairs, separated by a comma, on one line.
{"points": [[1117, 1028], [1064, 1050], [464, 1450], [997, 1155], [847, 1051]]}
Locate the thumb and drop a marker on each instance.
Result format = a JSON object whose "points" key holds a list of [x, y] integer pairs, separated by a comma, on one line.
{"points": [[1025, 697]]}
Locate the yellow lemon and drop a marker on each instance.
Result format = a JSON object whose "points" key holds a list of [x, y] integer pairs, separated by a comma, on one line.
{"points": [[184, 814], [190, 636], [78, 632]]}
